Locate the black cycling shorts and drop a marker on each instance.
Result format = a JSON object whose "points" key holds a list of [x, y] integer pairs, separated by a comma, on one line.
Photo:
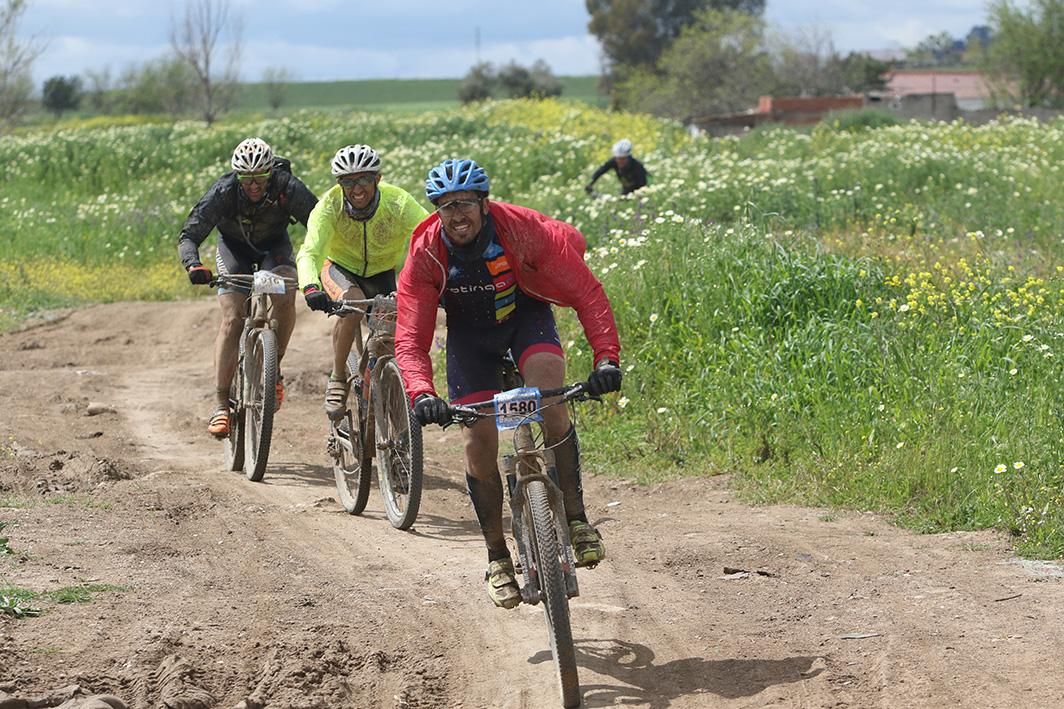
{"points": [[229, 263], [474, 356]]}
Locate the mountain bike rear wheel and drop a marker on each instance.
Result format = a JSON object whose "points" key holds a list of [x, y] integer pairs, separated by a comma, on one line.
{"points": [[547, 557], [260, 368], [399, 449], [352, 463]]}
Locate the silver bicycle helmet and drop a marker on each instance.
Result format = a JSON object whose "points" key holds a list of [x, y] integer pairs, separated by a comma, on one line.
{"points": [[622, 148], [355, 158], [252, 156]]}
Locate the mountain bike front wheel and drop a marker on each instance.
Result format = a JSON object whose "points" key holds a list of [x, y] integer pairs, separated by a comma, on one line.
{"points": [[399, 449], [260, 370], [548, 560], [352, 463]]}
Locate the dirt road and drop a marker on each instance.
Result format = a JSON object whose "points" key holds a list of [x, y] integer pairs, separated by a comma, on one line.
{"points": [[226, 593]]}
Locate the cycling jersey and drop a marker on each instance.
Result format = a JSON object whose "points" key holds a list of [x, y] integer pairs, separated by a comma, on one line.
{"points": [[365, 248], [547, 258], [632, 176], [249, 230]]}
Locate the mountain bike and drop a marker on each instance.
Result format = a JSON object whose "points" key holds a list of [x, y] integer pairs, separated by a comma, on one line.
{"points": [[539, 526], [253, 391], [378, 424]]}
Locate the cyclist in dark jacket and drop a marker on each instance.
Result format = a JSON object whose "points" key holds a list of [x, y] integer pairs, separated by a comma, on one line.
{"points": [[251, 207], [629, 171]]}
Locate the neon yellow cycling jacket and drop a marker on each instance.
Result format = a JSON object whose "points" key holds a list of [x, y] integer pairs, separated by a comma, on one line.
{"points": [[364, 248]]}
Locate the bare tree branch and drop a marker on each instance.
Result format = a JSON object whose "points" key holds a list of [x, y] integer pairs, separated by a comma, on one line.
{"points": [[16, 60], [196, 40]]}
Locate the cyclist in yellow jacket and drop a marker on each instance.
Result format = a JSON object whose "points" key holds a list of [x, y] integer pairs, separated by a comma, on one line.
{"points": [[356, 239]]}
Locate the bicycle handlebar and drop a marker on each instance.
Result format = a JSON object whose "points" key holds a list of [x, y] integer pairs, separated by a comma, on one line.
{"points": [[468, 414], [245, 280]]}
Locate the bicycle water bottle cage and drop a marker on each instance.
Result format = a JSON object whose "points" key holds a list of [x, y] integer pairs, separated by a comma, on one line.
{"points": [[516, 407]]}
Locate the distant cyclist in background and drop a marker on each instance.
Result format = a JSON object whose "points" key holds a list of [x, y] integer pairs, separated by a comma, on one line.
{"points": [[251, 206], [356, 239], [629, 171], [498, 268]]}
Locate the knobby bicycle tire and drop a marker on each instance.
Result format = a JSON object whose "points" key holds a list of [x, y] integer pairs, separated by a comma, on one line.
{"points": [[260, 364], [234, 442], [352, 463], [552, 585], [399, 448]]}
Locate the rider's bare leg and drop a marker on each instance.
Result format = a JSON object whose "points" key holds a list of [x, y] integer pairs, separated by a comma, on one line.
{"points": [[347, 333], [284, 311], [227, 343]]}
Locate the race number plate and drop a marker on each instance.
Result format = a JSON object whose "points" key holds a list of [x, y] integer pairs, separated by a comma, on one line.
{"points": [[267, 283], [516, 407]]}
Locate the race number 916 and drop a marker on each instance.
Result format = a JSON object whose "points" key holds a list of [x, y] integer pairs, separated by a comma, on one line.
{"points": [[516, 407]]}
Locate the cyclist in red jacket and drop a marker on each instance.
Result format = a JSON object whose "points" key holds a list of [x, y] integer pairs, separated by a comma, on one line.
{"points": [[497, 268]]}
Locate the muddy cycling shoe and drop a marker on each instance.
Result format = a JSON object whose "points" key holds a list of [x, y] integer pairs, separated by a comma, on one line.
{"points": [[279, 389], [502, 584], [336, 398], [587, 543], [218, 426]]}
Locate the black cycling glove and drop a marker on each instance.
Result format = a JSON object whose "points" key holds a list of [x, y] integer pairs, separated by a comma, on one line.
{"points": [[605, 378], [431, 409], [317, 299], [199, 274]]}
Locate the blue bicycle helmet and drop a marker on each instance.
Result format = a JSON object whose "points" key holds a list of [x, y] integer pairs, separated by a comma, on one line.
{"points": [[455, 176]]}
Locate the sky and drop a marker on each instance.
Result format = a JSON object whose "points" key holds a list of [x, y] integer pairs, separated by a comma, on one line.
{"points": [[324, 40]]}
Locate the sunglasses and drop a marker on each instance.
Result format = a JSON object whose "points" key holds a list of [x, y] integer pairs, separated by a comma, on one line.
{"points": [[259, 179], [349, 182], [466, 205]]}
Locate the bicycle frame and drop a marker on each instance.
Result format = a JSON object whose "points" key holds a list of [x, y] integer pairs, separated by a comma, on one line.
{"points": [[531, 462]]}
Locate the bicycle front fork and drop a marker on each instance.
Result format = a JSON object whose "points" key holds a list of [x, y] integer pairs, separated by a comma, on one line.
{"points": [[522, 522]]}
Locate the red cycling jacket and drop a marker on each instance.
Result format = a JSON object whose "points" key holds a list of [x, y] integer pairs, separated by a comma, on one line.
{"points": [[547, 258]]}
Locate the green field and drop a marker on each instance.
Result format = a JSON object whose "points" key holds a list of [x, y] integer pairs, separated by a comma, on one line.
{"points": [[402, 95], [866, 318]]}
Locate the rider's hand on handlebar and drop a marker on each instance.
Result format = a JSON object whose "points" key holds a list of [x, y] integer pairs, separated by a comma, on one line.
{"points": [[199, 275], [605, 378], [431, 409], [317, 299], [589, 189]]}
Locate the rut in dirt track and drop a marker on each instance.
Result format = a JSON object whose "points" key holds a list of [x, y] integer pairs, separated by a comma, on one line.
{"points": [[226, 591]]}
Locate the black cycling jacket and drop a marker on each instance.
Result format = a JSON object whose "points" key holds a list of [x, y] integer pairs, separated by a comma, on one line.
{"points": [[250, 230], [632, 176]]}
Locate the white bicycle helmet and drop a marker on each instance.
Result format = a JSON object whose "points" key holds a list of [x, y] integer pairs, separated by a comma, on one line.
{"points": [[622, 148], [253, 156], [355, 158]]}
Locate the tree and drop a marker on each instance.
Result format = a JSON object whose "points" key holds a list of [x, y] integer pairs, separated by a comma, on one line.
{"points": [[61, 93], [936, 50], [165, 85], [515, 81], [275, 80], [863, 73], [477, 84], [100, 90], [716, 65], [195, 40], [16, 60], [806, 64], [544, 83], [1025, 59], [635, 33]]}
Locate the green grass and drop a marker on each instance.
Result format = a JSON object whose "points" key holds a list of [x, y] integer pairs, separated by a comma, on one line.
{"points": [[82, 593], [866, 319], [398, 95], [16, 601]]}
